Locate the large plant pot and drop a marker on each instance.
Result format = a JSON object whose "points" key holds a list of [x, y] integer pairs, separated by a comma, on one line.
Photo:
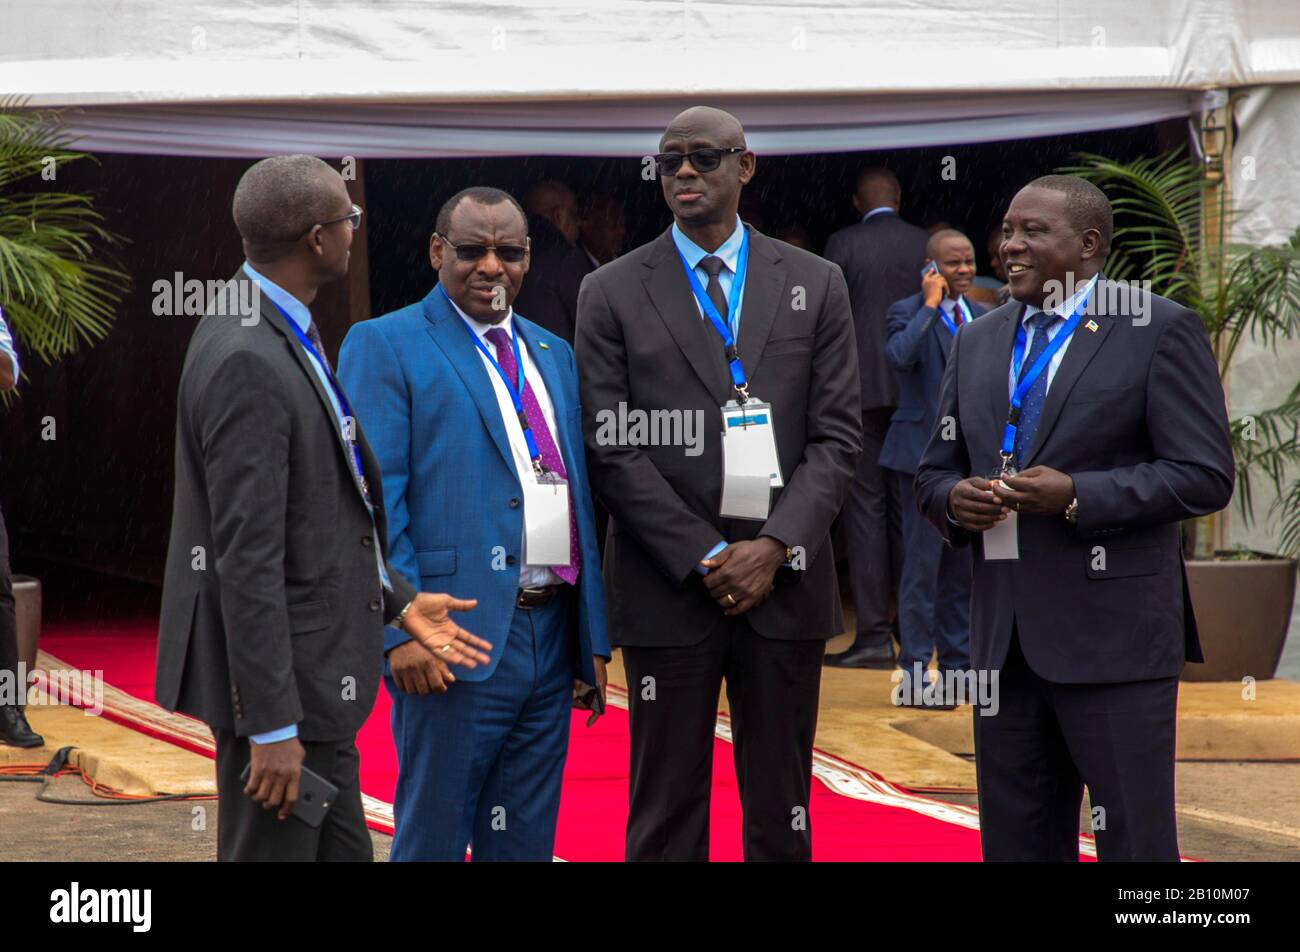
{"points": [[1243, 609], [27, 603]]}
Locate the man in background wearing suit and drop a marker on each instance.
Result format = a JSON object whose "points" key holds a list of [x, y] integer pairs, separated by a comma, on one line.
{"points": [[697, 597], [934, 591], [277, 583], [1106, 404], [466, 457], [880, 257], [557, 265]]}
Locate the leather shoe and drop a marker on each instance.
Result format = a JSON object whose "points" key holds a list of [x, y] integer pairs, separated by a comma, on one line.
{"points": [[14, 729], [863, 656]]}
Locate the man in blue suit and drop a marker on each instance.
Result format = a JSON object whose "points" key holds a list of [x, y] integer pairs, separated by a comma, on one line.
{"points": [[473, 412], [934, 592]]}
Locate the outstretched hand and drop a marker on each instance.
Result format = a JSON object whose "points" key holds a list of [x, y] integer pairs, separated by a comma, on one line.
{"points": [[429, 622]]}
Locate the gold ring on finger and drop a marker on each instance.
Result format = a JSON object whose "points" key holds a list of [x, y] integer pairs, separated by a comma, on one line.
{"points": [[731, 598]]}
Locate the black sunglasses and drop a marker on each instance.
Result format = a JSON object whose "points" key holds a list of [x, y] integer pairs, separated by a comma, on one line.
{"points": [[702, 160], [510, 254]]}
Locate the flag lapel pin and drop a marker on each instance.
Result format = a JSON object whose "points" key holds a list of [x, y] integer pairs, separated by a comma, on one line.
{"points": [[543, 345], [1092, 326]]}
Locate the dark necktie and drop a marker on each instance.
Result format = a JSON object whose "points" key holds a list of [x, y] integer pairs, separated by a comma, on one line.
{"points": [[545, 445], [1031, 407], [313, 335], [712, 266]]}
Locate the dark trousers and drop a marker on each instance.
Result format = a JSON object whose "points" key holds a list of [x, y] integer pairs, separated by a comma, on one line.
{"points": [[773, 689], [1047, 741], [8, 617], [934, 591], [873, 531], [248, 832], [482, 765]]}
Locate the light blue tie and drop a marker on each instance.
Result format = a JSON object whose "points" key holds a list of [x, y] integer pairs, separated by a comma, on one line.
{"points": [[1031, 408]]}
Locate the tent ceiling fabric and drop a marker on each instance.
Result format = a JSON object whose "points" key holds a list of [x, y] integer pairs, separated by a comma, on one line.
{"points": [[787, 126], [409, 78], [83, 52]]}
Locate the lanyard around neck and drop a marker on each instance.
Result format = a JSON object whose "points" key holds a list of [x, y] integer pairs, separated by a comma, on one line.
{"points": [[733, 302], [514, 387], [959, 307], [1024, 383]]}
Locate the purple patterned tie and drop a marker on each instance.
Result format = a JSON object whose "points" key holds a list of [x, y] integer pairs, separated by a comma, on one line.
{"points": [[545, 445]]}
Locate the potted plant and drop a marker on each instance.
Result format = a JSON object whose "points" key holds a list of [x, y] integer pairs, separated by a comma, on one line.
{"points": [[56, 288], [1243, 599]]}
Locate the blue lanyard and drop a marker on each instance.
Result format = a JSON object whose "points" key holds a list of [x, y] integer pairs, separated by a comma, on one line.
{"points": [[733, 302], [1032, 374], [959, 306], [514, 387], [338, 392]]}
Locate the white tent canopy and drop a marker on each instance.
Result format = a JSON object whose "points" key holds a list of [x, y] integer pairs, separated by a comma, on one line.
{"points": [[599, 77]]}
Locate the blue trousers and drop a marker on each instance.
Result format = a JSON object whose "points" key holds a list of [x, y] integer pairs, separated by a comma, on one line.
{"points": [[481, 765], [934, 591]]}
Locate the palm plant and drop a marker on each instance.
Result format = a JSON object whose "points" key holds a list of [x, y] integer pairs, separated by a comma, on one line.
{"points": [[1239, 291], [58, 290]]}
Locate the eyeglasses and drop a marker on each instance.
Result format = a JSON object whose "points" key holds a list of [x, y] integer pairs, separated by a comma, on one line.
{"points": [[702, 160], [510, 254], [353, 218]]}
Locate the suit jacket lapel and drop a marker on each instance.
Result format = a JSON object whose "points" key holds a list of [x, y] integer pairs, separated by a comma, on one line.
{"points": [[276, 319], [1083, 346], [670, 293], [451, 335], [764, 282], [1006, 339], [940, 331]]}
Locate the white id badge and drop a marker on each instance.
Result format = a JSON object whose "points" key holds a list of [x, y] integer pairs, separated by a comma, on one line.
{"points": [[750, 465], [546, 520], [1001, 543]]}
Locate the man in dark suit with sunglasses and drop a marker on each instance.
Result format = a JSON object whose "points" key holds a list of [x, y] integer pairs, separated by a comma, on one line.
{"points": [[471, 461], [698, 597]]}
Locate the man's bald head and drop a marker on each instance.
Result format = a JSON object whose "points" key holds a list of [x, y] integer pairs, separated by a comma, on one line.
{"points": [[278, 200], [704, 201], [877, 187], [718, 125]]}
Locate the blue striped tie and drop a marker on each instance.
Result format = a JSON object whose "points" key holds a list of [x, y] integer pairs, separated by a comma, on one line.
{"points": [[1031, 408]]}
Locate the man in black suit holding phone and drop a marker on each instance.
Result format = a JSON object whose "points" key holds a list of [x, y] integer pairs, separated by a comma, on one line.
{"points": [[277, 585], [712, 573], [1089, 422]]}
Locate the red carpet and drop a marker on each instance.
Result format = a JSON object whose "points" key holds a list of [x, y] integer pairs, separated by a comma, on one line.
{"points": [[855, 814]]}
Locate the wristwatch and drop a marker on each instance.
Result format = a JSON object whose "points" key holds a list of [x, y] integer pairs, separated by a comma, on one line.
{"points": [[401, 616], [1072, 511]]}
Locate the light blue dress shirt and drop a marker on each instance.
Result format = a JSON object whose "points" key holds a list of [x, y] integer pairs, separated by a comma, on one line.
{"points": [[7, 344], [1062, 313], [729, 252]]}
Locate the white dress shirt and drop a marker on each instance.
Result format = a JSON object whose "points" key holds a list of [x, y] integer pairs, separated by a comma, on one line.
{"points": [[1063, 312], [530, 576]]}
